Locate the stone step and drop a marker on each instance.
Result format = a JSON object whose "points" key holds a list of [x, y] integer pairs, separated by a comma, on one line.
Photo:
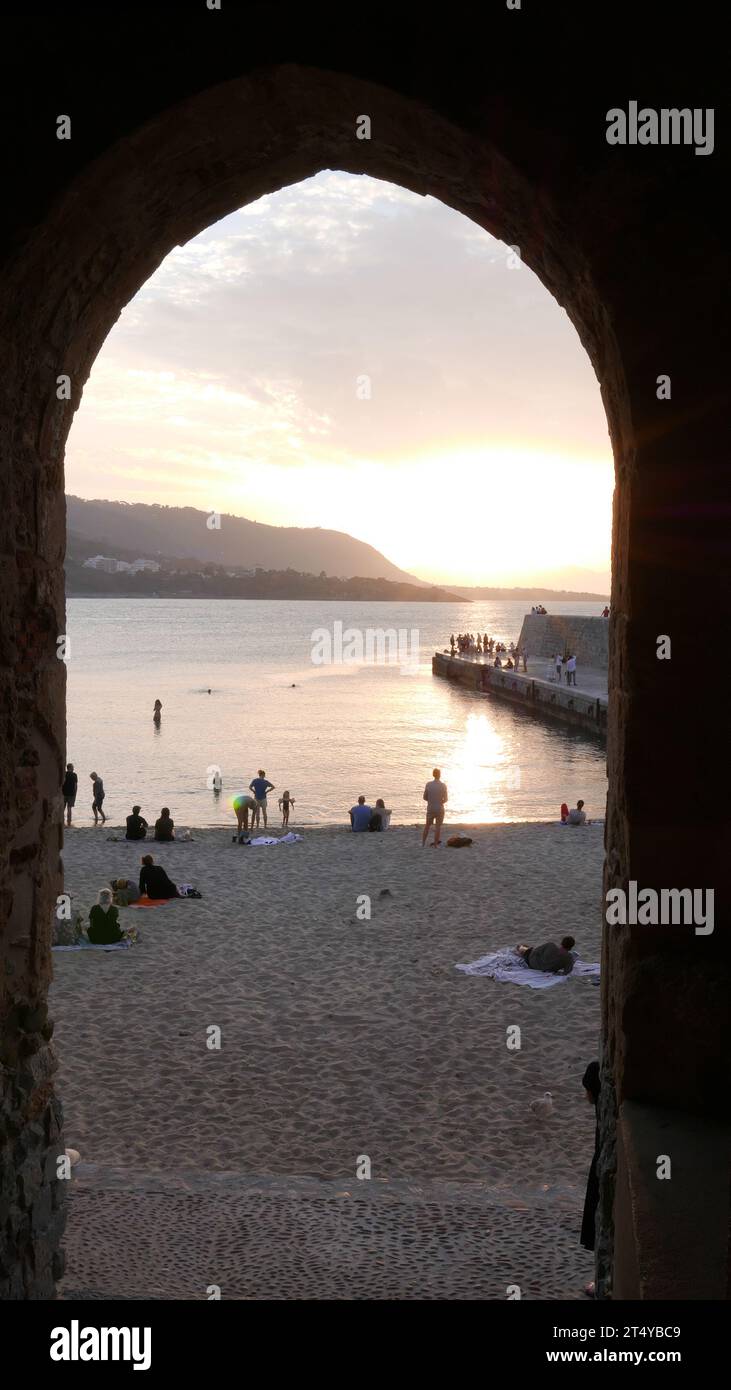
{"points": [[160, 1236]]}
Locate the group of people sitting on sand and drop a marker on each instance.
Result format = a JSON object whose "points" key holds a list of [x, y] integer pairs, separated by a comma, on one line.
{"points": [[538, 608], [154, 884], [365, 817], [577, 816], [137, 826]]}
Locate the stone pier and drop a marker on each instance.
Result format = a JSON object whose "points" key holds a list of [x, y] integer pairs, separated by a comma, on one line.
{"points": [[584, 705]]}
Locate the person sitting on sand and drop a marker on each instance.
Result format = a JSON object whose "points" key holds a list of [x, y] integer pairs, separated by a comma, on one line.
{"points": [[243, 804], [124, 892], [104, 928], [497, 662], [381, 818], [360, 815], [436, 797], [154, 881], [577, 816], [550, 958], [136, 825], [564, 813], [164, 826], [285, 801]]}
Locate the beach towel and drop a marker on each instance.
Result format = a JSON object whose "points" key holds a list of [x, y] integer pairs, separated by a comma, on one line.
{"points": [[508, 967], [153, 902], [289, 839], [90, 946]]}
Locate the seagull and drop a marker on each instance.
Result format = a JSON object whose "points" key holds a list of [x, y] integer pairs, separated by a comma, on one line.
{"points": [[544, 1107]]}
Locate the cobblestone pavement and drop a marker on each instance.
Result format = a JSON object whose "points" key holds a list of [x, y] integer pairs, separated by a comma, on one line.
{"points": [[159, 1236]]}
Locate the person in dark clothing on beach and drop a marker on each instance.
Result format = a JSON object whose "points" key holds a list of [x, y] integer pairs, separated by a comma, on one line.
{"points": [[68, 791], [164, 826], [136, 825], [97, 788], [104, 928], [550, 958], [592, 1086], [154, 881]]}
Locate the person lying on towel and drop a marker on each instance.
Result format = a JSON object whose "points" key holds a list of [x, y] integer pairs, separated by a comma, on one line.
{"points": [[553, 959], [154, 881]]}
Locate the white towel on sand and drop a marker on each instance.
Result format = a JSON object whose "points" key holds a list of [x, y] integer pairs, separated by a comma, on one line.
{"points": [[509, 968], [289, 839]]}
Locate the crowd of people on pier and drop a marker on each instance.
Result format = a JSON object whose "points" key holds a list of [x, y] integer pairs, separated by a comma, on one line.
{"points": [[503, 657]]}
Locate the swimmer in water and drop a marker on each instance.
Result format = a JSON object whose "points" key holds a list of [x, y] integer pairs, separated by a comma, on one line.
{"points": [[157, 712]]}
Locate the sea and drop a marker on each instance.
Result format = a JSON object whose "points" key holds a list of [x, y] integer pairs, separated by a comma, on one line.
{"points": [[332, 700]]}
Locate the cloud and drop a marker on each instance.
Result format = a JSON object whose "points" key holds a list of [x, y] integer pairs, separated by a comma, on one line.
{"points": [[248, 343]]}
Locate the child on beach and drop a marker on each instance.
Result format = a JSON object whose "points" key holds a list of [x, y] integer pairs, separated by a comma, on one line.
{"points": [[285, 801]]}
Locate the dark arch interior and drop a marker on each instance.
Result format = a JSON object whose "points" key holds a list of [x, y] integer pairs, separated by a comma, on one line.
{"points": [[73, 256]]}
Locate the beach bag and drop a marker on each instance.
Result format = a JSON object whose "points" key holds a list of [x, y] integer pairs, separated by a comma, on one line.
{"points": [[186, 890], [459, 841], [67, 932]]}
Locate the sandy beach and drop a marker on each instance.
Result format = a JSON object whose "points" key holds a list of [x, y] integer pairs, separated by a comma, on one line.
{"points": [[339, 1037]]}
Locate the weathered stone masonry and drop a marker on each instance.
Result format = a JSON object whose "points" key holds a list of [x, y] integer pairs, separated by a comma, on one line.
{"points": [[179, 120]]}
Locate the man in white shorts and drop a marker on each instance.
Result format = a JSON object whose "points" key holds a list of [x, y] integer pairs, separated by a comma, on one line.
{"points": [[435, 796]]}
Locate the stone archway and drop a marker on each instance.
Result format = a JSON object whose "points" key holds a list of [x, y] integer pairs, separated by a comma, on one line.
{"points": [[67, 279]]}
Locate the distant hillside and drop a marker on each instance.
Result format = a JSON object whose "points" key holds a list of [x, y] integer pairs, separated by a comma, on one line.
{"points": [[153, 531], [211, 583], [564, 595]]}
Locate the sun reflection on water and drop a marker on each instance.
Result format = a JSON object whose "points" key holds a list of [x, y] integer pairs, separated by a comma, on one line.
{"points": [[482, 770]]}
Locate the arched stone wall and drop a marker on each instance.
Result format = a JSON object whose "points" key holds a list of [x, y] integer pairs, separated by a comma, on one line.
{"points": [[579, 212]]}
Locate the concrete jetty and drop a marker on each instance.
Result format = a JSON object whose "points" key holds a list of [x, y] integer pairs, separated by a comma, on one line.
{"points": [[537, 690]]}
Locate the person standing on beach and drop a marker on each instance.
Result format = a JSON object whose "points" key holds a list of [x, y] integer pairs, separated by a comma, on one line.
{"points": [[557, 663], [435, 796], [260, 786], [591, 1082], [68, 791], [97, 797], [285, 801], [571, 670]]}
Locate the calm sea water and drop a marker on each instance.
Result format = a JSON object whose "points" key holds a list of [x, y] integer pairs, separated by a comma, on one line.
{"points": [[325, 732]]}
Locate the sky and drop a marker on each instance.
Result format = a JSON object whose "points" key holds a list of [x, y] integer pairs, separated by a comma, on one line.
{"points": [[345, 353]]}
